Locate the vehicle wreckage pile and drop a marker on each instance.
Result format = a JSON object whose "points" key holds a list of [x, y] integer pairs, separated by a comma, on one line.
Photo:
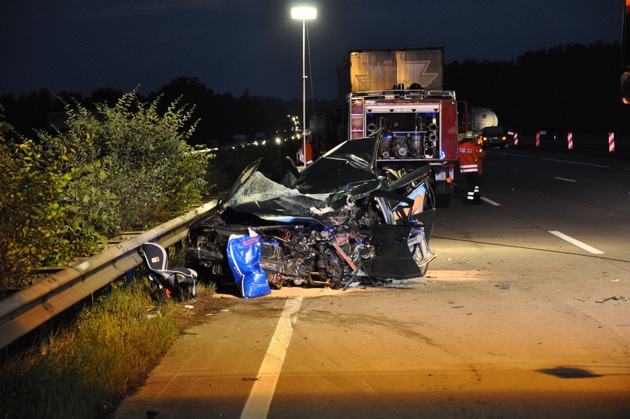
{"points": [[339, 221]]}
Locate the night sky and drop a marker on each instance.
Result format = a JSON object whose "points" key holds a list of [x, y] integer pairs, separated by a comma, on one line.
{"points": [[239, 45]]}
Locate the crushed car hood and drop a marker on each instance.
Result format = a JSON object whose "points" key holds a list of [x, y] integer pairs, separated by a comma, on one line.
{"points": [[347, 170]]}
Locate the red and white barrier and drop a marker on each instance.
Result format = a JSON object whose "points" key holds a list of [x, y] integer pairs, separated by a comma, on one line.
{"points": [[538, 139], [611, 142], [570, 140], [514, 136]]}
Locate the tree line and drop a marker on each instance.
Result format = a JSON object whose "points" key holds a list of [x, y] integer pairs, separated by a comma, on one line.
{"points": [[221, 116], [567, 87]]}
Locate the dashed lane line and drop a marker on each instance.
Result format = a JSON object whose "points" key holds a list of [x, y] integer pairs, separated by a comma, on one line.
{"points": [[489, 201], [577, 243], [577, 162]]}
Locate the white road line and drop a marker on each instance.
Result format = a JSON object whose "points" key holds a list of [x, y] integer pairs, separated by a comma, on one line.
{"points": [[260, 397], [577, 162], [565, 179], [577, 243], [491, 202]]}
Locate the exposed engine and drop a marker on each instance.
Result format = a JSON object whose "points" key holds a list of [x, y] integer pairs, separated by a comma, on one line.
{"points": [[410, 145], [297, 254]]}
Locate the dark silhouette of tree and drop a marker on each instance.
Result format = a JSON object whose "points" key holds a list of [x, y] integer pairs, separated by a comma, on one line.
{"points": [[223, 116], [567, 87], [104, 95], [28, 111]]}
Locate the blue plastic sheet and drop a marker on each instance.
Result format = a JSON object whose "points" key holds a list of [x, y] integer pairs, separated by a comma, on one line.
{"points": [[243, 254]]}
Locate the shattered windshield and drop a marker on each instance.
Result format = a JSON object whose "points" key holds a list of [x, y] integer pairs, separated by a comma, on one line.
{"points": [[348, 169], [272, 201], [260, 188]]}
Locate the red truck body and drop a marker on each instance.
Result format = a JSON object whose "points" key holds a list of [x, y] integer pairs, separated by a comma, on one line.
{"points": [[401, 92]]}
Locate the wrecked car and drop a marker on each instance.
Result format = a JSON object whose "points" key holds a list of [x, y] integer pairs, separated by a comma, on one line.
{"points": [[340, 221]]}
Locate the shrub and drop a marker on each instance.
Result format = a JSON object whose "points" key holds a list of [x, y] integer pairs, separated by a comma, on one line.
{"points": [[114, 169], [36, 227], [131, 165]]}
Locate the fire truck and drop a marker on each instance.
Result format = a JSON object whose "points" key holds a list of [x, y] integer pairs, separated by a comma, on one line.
{"points": [[401, 92]]}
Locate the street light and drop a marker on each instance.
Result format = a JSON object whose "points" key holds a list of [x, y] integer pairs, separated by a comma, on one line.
{"points": [[303, 12]]}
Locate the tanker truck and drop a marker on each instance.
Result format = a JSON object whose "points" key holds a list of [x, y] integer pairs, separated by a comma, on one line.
{"points": [[481, 118]]}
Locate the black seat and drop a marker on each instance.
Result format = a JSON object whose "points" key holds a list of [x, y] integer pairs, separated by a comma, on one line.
{"points": [[179, 283]]}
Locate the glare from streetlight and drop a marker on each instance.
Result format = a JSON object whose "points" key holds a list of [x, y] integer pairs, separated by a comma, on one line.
{"points": [[303, 12]]}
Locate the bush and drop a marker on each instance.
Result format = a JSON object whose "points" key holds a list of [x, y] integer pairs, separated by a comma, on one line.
{"points": [[36, 228], [114, 169], [130, 165]]}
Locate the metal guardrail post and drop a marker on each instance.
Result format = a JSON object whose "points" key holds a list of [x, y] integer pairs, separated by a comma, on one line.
{"points": [[27, 309]]}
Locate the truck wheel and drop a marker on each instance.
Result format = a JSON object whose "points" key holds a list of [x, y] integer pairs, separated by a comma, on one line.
{"points": [[442, 200]]}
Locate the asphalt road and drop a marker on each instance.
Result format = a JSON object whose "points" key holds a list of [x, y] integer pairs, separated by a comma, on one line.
{"points": [[525, 313]]}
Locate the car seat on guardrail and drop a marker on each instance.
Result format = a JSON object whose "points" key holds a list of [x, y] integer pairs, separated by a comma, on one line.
{"points": [[179, 283]]}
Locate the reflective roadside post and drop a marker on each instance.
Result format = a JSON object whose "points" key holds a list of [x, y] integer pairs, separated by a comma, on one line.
{"points": [[303, 12]]}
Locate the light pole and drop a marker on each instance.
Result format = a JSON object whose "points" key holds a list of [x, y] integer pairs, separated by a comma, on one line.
{"points": [[303, 12]]}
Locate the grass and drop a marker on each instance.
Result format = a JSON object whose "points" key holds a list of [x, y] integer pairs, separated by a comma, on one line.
{"points": [[88, 368]]}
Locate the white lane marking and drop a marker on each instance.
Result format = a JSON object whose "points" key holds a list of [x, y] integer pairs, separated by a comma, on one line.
{"points": [[491, 202], [577, 162], [577, 243], [259, 400], [565, 179]]}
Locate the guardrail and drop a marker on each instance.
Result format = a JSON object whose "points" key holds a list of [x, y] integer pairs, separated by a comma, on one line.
{"points": [[29, 308]]}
